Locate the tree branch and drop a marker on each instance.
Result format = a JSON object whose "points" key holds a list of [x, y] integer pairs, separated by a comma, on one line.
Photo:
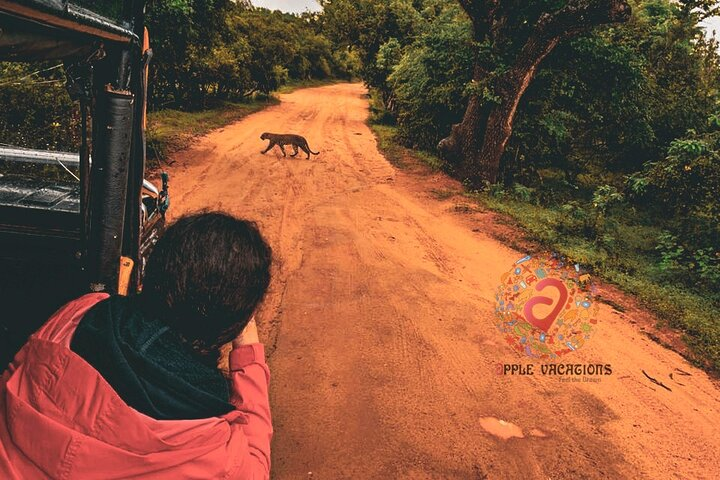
{"points": [[576, 16], [579, 15], [482, 14], [493, 124]]}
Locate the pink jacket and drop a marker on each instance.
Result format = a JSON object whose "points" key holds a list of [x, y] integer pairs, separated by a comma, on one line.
{"points": [[60, 419]]}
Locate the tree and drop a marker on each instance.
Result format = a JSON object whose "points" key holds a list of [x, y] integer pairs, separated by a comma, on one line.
{"points": [[366, 26], [207, 50], [505, 67], [429, 80]]}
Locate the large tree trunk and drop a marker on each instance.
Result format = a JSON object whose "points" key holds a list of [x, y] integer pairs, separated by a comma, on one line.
{"points": [[510, 88], [476, 145]]}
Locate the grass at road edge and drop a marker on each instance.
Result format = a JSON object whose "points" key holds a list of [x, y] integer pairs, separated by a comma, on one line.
{"points": [[678, 308], [293, 85], [395, 152]]}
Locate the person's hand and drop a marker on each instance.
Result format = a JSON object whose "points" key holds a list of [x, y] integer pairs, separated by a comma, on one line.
{"points": [[248, 336]]}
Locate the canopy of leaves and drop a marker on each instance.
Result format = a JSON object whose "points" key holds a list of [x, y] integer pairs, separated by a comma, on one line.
{"points": [[37, 110], [221, 49]]}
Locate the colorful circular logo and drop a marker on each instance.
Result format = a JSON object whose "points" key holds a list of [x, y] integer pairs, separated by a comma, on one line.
{"points": [[544, 307]]}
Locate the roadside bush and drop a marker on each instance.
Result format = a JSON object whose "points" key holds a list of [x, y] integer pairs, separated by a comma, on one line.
{"points": [[37, 111], [685, 185], [430, 80], [222, 50]]}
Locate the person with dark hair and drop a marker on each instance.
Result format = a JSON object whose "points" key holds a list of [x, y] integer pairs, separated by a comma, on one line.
{"points": [[129, 387]]}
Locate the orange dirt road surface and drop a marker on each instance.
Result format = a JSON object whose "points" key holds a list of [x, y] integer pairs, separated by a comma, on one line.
{"points": [[380, 326]]}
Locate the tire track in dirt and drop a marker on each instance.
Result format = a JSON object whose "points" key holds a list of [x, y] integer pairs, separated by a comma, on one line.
{"points": [[380, 320]]}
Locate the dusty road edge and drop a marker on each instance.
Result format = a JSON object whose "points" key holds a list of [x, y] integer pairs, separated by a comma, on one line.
{"points": [[505, 230]]}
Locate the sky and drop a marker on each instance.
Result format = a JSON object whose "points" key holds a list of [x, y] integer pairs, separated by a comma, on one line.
{"points": [[297, 6], [711, 24]]}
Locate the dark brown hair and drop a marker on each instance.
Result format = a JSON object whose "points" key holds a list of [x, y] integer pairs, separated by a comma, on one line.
{"points": [[206, 276]]}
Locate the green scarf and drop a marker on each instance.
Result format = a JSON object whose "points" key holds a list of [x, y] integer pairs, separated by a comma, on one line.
{"points": [[148, 365]]}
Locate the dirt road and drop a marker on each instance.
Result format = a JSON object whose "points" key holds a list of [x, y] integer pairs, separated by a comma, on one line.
{"points": [[380, 325]]}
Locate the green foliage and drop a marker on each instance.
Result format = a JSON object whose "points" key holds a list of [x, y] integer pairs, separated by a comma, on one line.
{"points": [[430, 80], [388, 143], [636, 184], [389, 55], [522, 193], [605, 197], [685, 185], [218, 49], [378, 113], [37, 110], [365, 26], [688, 180]]}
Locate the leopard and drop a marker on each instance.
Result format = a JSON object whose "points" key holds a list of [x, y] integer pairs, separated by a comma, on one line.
{"points": [[297, 142]]}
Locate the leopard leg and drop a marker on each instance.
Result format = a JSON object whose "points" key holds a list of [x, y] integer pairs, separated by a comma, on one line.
{"points": [[306, 150], [282, 147], [295, 150], [270, 145]]}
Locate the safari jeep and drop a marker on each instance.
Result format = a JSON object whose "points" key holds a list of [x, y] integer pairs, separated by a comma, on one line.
{"points": [[92, 229]]}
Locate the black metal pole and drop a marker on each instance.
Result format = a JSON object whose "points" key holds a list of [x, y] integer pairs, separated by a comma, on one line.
{"points": [[111, 154], [84, 179]]}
